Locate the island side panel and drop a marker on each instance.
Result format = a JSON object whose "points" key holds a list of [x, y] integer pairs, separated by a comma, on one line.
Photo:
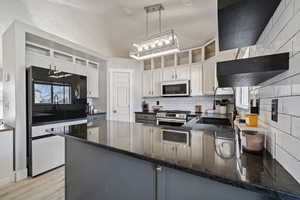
{"points": [[177, 185], [96, 173]]}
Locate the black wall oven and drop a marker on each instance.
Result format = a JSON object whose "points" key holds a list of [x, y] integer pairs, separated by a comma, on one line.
{"points": [[55, 96]]}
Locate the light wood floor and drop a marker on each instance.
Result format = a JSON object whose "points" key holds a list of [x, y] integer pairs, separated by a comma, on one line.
{"points": [[50, 186]]}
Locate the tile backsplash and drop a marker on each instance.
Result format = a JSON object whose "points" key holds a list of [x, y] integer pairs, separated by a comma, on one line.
{"points": [[282, 34], [185, 103]]}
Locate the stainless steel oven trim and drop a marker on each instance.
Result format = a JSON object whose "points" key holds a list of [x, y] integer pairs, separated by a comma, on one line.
{"points": [[187, 133], [187, 93], [171, 120]]}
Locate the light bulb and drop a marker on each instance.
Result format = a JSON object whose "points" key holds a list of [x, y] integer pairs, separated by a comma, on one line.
{"points": [[153, 45], [160, 43]]}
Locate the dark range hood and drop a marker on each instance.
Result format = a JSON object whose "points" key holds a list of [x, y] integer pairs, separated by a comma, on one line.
{"points": [[241, 22], [251, 71]]}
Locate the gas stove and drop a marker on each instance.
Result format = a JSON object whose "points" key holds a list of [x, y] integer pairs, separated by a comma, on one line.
{"points": [[172, 117]]}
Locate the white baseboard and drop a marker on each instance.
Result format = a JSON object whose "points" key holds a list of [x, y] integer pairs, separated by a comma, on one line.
{"points": [[21, 175], [6, 180]]}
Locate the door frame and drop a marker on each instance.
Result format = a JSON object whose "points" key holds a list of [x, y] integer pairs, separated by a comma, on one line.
{"points": [[110, 95]]}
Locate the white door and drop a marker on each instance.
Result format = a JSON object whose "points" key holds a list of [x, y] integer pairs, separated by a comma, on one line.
{"points": [[147, 83], [196, 80], [120, 96], [182, 73], [156, 82], [209, 76], [169, 74]]}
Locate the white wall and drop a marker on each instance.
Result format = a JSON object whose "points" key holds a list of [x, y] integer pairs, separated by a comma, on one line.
{"points": [[282, 34], [70, 23]]}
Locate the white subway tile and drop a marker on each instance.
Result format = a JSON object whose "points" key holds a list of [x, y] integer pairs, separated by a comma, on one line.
{"points": [[283, 123], [296, 127], [283, 88], [289, 163], [296, 43], [289, 143], [295, 64], [286, 48], [295, 81], [297, 6], [281, 24], [287, 2], [281, 7], [290, 105]]}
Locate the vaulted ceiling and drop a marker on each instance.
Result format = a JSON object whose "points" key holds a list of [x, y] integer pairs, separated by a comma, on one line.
{"points": [[194, 21]]}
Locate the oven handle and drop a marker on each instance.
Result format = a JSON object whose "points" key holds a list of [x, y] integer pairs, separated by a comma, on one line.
{"points": [[170, 120]]}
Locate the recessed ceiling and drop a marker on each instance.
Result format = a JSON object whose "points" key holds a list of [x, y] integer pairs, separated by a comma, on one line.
{"points": [[195, 21]]}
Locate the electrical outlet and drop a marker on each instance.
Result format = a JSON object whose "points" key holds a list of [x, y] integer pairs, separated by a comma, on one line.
{"points": [[274, 113]]}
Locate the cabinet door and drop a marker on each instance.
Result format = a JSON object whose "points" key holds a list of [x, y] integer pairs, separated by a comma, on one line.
{"points": [[147, 136], [39, 60], [209, 76], [183, 154], [156, 81], [169, 74], [169, 152], [6, 155], [55, 151], [93, 134], [92, 81], [157, 145], [182, 73], [147, 83], [196, 80]]}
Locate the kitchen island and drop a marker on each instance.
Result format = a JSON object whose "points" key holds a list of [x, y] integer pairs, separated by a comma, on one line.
{"points": [[118, 160]]}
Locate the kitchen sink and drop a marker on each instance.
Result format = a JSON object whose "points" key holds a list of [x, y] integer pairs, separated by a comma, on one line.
{"points": [[214, 121]]}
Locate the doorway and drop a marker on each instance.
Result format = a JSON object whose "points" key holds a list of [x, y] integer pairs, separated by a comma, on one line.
{"points": [[120, 95]]}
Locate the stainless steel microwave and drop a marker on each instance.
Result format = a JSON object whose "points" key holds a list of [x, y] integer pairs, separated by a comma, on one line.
{"points": [[175, 88]]}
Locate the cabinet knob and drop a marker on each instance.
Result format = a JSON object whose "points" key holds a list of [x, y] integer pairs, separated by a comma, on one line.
{"points": [[114, 111]]}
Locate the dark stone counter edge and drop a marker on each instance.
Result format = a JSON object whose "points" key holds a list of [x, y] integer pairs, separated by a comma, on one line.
{"points": [[6, 128], [244, 185], [58, 121], [145, 113], [99, 113]]}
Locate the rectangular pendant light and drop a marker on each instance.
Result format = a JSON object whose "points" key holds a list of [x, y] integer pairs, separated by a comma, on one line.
{"points": [[156, 45]]}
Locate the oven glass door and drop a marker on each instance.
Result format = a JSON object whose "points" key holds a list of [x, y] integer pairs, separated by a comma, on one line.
{"points": [[176, 89], [173, 136]]}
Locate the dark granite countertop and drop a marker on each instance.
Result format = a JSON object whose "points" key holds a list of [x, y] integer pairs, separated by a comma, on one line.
{"points": [[98, 113], [58, 121], [147, 113], [5, 127], [206, 156]]}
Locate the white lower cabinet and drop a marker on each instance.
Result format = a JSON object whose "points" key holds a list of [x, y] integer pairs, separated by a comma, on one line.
{"points": [[47, 153], [6, 157], [196, 80]]}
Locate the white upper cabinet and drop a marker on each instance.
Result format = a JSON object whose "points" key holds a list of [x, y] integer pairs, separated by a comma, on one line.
{"points": [[209, 76], [92, 80], [196, 80], [182, 73], [169, 74], [156, 82], [147, 83]]}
